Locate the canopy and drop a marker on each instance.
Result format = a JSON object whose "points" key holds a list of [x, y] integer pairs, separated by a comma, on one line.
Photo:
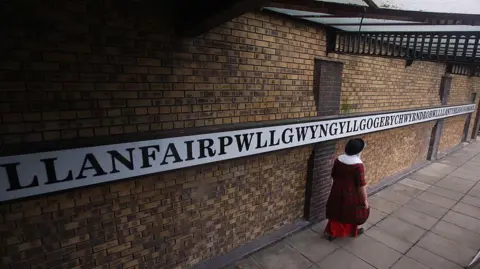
{"points": [[393, 28]]}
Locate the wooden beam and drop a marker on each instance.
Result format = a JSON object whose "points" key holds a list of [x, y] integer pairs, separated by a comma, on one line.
{"points": [[197, 17]]}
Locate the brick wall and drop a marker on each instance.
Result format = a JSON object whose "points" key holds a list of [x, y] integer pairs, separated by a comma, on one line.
{"points": [[453, 129], [81, 77], [475, 87], [390, 152], [327, 88], [93, 70], [376, 84], [170, 220], [75, 70], [460, 90], [452, 133]]}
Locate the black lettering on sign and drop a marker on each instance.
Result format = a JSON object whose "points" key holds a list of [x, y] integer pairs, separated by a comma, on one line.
{"points": [[342, 127], [13, 179], [244, 141], [189, 150], [272, 137], [91, 163], [24, 174], [171, 152], [116, 156], [206, 148], [301, 133], [363, 124], [313, 129], [147, 155], [349, 130], [332, 131], [369, 123], [225, 141], [259, 141], [51, 172], [284, 136], [323, 130]]}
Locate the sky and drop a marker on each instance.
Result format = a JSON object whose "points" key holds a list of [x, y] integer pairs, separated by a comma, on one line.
{"points": [[449, 6]]}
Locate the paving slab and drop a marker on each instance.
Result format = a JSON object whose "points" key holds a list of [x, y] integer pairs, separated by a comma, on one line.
{"points": [[453, 195], [471, 200], [248, 263], [437, 169], [311, 245], [465, 154], [456, 184], [475, 191], [373, 252], [468, 210], [382, 205], [405, 190], [458, 234], [393, 196], [342, 259], [407, 263], [430, 180], [466, 174], [319, 227], [437, 200], [375, 216], [463, 221], [454, 161], [366, 226], [414, 217], [475, 159], [429, 220], [427, 208], [281, 256], [470, 166], [389, 240], [415, 184], [430, 259], [447, 248], [401, 229]]}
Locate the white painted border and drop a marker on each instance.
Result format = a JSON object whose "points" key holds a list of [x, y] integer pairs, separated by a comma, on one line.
{"points": [[72, 160]]}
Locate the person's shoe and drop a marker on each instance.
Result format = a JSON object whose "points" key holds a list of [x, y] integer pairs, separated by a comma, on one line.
{"points": [[329, 237]]}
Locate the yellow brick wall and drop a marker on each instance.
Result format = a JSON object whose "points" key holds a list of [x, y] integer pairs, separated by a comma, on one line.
{"points": [[378, 84], [256, 67], [452, 133], [390, 152], [460, 90], [85, 80], [475, 87], [453, 128], [146, 222], [129, 76]]}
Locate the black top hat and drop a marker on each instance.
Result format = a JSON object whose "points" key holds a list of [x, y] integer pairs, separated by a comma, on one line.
{"points": [[354, 146]]}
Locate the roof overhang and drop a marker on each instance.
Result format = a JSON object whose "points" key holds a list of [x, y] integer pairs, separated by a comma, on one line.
{"points": [[369, 30]]}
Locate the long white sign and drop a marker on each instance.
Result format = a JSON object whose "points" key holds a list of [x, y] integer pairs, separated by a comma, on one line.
{"points": [[39, 173]]}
